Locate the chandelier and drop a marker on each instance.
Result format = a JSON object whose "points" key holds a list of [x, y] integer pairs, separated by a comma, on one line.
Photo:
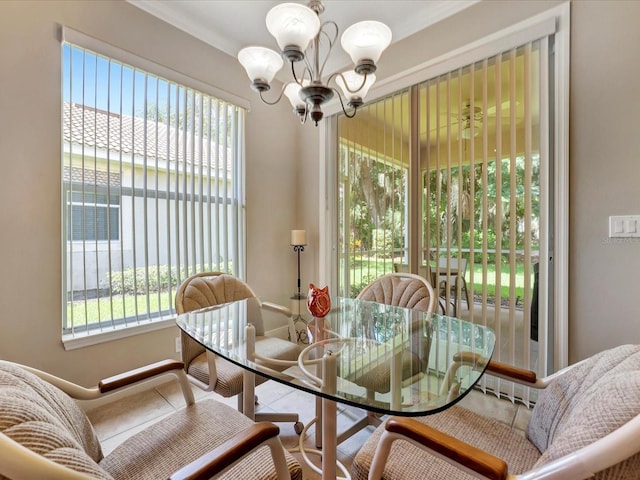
{"points": [[304, 40]]}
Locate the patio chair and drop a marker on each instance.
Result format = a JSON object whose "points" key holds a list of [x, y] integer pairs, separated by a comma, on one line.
{"points": [[456, 281], [44, 434], [211, 372], [586, 423]]}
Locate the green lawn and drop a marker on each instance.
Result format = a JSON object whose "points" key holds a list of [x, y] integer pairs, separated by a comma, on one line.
{"points": [[123, 306], [364, 270]]}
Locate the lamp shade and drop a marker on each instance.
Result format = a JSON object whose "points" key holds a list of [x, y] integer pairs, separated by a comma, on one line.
{"points": [[292, 24], [354, 81], [366, 40], [292, 91], [298, 237], [260, 63]]}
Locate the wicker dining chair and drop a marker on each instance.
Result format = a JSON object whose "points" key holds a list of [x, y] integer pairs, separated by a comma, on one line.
{"points": [[44, 434], [425, 272], [211, 372], [585, 424]]}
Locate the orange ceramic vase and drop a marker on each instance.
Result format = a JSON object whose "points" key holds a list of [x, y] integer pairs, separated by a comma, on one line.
{"points": [[318, 304], [318, 301]]}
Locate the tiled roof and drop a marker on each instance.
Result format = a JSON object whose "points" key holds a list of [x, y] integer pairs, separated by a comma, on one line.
{"points": [[104, 130]]}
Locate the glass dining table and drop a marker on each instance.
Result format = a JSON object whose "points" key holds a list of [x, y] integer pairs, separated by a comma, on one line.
{"points": [[382, 359]]}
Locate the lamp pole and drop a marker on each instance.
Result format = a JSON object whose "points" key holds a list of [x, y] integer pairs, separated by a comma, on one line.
{"points": [[298, 249], [298, 241]]}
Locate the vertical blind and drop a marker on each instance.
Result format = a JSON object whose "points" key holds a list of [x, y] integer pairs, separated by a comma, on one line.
{"points": [[480, 166], [444, 180], [373, 186], [152, 182]]}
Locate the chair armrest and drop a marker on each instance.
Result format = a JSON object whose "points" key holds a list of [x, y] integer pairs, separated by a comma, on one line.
{"points": [[499, 369], [451, 449], [142, 373], [509, 372], [274, 307], [224, 456], [113, 383]]}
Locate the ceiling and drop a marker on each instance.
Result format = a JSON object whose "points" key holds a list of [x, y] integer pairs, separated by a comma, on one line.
{"points": [[230, 25]]}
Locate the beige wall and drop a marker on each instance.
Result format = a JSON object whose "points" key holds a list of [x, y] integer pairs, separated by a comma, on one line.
{"points": [[282, 168], [604, 307], [30, 242]]}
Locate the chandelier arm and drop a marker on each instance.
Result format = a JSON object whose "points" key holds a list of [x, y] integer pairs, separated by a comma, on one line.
{"points": [[331, 41], [344, 110], [300, 81], [346, 85], [277, 99]]}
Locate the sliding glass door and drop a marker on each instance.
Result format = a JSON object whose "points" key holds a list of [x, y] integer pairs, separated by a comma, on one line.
{"points": [[448, 179]]}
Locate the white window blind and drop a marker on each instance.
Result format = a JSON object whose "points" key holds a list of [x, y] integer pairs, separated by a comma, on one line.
{"points": [[446, 180], [152, 182], [483, 226]]}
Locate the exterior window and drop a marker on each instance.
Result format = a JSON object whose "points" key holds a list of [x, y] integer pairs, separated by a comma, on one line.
{"points": [[152, 191], [93, 216]]}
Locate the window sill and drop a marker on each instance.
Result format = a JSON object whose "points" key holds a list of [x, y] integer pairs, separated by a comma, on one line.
{"points": [[81, 340]]}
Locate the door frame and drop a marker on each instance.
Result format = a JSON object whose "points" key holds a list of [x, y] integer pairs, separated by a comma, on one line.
{"points": [[554, 300]]}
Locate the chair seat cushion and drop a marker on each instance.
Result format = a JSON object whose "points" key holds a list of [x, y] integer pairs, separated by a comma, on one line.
{"points": [[177, 440], [377, 378], [229, 375], [407, 461]]}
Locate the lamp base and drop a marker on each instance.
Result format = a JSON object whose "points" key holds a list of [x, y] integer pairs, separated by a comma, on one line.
{"points": [[299, 322]]}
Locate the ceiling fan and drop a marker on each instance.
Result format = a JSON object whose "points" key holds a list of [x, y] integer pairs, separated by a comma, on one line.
{"points": [[468, 113], [476, 112]]}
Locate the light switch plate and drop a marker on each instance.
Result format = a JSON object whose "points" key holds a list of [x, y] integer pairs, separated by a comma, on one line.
{"points": [[624, 226]]}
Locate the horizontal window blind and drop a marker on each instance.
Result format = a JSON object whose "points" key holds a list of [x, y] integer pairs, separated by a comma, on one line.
{"points": [[152, 182]]}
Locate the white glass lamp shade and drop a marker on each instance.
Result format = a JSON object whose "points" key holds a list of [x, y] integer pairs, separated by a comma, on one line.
{"points": [[354, 81], [292, 91], [260, 63], [366, 40], [293, 24]]}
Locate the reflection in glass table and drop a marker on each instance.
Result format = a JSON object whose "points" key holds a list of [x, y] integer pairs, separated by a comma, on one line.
{"points": [[379, 358]]}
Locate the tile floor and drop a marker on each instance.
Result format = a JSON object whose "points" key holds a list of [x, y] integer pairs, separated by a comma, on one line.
{"points": [[124, 416]]}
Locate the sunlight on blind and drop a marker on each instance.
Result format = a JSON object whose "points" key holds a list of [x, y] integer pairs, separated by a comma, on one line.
{"points": [[152, 191], [462, 150], [373, 176], [480, 169]]}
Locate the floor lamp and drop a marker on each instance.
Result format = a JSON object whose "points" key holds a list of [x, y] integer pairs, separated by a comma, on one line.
{"points": [[298, 242]]}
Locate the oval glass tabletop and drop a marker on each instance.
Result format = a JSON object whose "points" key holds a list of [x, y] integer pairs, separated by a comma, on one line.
{"points": [[386, 359]]}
